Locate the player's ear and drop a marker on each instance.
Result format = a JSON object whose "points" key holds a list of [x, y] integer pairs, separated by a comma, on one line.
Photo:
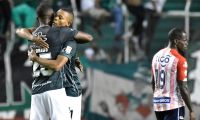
{"points": [[68, 24], [37, 20], [52, 18], [175, 41]]}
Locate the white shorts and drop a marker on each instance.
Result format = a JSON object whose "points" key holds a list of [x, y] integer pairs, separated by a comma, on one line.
{"points": [[75, 107], [53, 105]]}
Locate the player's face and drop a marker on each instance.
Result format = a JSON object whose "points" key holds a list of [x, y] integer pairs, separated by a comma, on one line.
{"points": [[183, 43], [47, 18], [62, 19]]}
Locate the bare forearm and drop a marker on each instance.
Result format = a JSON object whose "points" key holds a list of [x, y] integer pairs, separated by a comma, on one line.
{"points": [[82, 37], [24, 33], [186, 97], [55, 65], [27, 34], [51, 64]]}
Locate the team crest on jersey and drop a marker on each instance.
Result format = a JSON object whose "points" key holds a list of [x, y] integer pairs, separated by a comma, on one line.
{"points": [[68, 49], [43, 36]]}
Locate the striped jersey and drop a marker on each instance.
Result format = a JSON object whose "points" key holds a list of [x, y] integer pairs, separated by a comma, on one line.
{"points": [[168, 66]]}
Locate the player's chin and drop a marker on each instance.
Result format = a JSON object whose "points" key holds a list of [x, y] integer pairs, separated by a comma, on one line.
{"points": [[185, 48]]}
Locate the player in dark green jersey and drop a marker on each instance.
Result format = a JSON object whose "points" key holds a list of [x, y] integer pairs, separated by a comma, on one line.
{"points": [[52, 75]]}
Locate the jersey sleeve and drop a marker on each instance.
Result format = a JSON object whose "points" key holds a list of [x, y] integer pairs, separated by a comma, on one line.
{"points": [[182, 69], [68, 34], [69, 49]]}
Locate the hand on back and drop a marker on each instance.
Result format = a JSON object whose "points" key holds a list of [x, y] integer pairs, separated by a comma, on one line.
{"points": [[40, 42]]}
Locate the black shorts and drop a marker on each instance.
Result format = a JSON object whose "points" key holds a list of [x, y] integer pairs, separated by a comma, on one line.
{"points": [[175, 114]]}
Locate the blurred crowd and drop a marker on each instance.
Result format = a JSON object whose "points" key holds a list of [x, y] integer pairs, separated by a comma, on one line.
{"points": [[128, 18]]}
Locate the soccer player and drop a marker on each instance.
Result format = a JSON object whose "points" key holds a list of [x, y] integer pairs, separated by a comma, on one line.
{"points": [[169, 79], [56, 86]]}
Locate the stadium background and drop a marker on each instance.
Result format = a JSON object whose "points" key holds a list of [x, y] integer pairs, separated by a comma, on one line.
{"points": [[111, 91]]}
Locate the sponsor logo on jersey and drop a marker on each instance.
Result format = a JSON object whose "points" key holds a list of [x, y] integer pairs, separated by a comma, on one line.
{"points": [[161, 100], [40, 50], [68, 49]]}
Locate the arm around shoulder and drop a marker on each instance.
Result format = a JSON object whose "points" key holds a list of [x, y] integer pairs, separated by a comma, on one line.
{"points": [[55, 65], [25, 33], [82, 37]]}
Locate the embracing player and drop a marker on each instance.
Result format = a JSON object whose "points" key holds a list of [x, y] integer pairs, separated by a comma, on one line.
{"points": [[169, 79]]}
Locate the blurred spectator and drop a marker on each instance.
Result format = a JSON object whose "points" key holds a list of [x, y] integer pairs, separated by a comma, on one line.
{"points": [[5, 16], [49, 2], [136, 8], [95, 53], [93, 9], [24, 15], [78, 5], [153, 9], [5, 19], [118, 16], [57, 4]]}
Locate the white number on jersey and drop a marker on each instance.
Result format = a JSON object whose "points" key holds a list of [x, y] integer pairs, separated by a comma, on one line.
{"points": [[39, 69]]}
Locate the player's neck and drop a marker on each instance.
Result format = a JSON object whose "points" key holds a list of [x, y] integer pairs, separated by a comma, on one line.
{"points": [[172, 46], [41, 24]]}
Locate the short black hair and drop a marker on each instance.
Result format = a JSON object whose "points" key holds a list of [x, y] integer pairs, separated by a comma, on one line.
{"points": [[175, 34], [42, 9], [69, 10]]}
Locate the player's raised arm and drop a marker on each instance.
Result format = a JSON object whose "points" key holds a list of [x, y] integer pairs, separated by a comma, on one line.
{"points": [[27, 34], [82, 37]]}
